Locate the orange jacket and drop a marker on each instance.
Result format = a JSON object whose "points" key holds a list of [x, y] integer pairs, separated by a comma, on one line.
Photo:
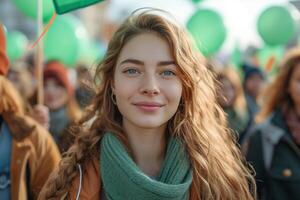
{"points": [[90, 188], [34, 152], [34, 149]]}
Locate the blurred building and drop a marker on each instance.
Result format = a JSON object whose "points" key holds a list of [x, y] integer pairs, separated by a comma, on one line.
{"points": [[14, 20]]}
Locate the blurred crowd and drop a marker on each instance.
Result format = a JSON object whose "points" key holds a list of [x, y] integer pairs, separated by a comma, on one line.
{"points": [[254, 105], [263, 113]]}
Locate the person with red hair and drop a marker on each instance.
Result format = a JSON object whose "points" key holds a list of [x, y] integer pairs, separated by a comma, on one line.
{"points": [[28, 153], [59, 97]]}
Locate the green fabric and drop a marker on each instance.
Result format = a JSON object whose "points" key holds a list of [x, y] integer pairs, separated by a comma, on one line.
{"points": [[122, 178], [64, 6]]}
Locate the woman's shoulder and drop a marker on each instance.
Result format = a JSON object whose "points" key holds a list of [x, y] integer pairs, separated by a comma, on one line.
{"points": [[87, 182]]}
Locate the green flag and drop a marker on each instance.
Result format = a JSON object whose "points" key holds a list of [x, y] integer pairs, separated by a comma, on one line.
{"points": [[64, 6]]}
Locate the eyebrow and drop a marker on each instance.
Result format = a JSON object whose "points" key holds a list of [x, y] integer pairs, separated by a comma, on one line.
{"points": [[139, 62]]}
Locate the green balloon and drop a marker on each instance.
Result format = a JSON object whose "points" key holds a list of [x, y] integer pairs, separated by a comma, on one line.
{"points": [[29, 8], [208, 30], [196, 1], [63, 40], [236, 57], [91, 52], [276, 25], [16, 45]]}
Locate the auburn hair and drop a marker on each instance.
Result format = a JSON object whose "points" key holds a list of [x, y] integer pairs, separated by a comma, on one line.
{"points": [[276, 95]]}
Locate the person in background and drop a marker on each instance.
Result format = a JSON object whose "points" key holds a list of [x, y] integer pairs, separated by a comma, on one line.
{"points": [[253, 85], [232, 100], [21, 78], [274, 144], [59, 98], [84, 93], [154, 130], [28, 154], [19, 75], [29, 61]]}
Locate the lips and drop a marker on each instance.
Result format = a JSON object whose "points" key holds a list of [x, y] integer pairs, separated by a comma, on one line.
{"points": [[148, 106]]}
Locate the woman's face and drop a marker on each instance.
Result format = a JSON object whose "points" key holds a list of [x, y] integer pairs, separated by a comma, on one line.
{"points": [[227, 93], [254, 85], [294, 85], [22, 81], [55, 95], [146, 82]]}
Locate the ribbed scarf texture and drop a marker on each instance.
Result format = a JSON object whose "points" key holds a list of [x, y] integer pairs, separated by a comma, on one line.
{"points": [[122, 178]]}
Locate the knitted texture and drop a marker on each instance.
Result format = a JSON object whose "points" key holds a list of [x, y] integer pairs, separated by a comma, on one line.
{"points": [[122, 178]]}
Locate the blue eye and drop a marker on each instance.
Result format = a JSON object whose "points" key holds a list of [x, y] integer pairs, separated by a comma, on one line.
{"points": [[131, 71], [168, 73]]}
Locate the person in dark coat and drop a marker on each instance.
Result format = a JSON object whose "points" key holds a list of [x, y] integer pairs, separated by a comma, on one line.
{"points": [[253, 84], [232, 100], [274, 144]]}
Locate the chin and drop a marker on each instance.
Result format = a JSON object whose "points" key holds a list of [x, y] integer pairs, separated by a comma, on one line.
{"points": [[148, 123]]}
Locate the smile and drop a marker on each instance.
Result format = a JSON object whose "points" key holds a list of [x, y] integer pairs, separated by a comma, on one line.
{"points": [[148, 106]]}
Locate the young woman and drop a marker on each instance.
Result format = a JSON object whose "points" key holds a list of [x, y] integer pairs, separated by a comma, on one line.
{"points": [[60, 99], [155, 130], [274, 147], [20, 77], [232, 100]]}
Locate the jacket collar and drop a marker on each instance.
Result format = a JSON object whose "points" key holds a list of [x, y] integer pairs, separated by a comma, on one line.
{"points": [[277, 128], [278, 120]]}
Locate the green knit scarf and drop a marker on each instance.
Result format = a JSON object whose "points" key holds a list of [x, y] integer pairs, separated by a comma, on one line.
{"points": [[122, 178]]}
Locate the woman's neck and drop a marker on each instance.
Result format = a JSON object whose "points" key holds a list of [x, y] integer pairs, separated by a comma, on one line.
{"points": [[148, 147]]}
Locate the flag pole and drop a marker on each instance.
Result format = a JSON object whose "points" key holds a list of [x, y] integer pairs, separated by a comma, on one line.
{"points": [[40, 56]]}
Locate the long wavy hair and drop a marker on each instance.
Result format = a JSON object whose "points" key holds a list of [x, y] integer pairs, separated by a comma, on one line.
{"points": [[218, 169], [276, 95], [12, 109], [239, 102], [10, 99]]}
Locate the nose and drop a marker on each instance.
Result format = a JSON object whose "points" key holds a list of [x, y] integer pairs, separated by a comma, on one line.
{"points": [[150, 86]]}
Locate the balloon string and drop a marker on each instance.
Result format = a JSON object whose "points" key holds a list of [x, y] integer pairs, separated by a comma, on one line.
{"points": [[45, 31]]}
